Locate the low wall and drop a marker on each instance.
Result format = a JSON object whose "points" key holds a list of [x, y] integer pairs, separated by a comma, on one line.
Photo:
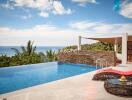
{"points": [[87, 57]]}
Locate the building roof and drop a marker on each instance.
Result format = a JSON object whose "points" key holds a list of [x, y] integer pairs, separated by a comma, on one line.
{"points": [[112, 40]]}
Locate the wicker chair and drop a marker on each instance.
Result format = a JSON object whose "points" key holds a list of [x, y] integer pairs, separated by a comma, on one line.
{"points": [[110, 74]]}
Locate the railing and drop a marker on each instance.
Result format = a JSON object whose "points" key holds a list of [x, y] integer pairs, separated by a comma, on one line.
{"points": [[101, 63]]}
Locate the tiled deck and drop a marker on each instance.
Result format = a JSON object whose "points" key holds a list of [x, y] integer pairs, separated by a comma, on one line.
{"points": [[79, 87]]}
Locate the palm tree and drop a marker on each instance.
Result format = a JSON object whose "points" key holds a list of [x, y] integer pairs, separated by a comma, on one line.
{"points": [[51, 55], [43, 56], [28, 50], [27, 55], [17, 52]]}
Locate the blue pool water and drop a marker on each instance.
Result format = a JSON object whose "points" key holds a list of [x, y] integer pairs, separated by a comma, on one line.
{"points": [[19, 77]]}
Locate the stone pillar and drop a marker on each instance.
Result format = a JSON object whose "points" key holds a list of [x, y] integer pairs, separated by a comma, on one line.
{"points": [[79, 43], [124, 48], [116, 46]]}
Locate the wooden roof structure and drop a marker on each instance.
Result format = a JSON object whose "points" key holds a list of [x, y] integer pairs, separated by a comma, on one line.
{"points": [[112, 40]]}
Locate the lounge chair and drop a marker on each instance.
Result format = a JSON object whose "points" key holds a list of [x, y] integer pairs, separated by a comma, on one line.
{"points": [[104, 74]]}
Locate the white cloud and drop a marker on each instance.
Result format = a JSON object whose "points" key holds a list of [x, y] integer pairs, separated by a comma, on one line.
{"points": [[47, 35], [50, 35], [26, 16], [44, 6], [44, 27], [126, 9], [7, 6], [82, 25], [39, 4], [44, 14], [4, 29], [101, 27], [59, 9], [84, 2]]}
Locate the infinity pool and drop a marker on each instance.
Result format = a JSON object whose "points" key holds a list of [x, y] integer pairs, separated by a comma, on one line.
{"points": [[19, 77]]}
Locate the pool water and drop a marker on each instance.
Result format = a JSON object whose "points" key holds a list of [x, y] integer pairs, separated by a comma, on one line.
{"points": [[19, 77]]}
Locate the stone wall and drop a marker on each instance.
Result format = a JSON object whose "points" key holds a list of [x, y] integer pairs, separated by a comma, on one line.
{"points": [[87, 57]]}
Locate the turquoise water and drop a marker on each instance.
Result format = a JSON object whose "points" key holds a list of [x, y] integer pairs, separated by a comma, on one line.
{"points": [[8, 51], [19, 77]]}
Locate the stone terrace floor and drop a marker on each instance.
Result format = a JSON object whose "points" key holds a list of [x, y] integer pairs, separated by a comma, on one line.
{"points": [[79, 87]]}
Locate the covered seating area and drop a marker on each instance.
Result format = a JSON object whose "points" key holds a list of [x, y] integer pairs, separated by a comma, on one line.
{"points": [[115, 82], [125, 40]]}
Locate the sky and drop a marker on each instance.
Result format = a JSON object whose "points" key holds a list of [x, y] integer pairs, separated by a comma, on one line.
{"points": [[60, 22]]}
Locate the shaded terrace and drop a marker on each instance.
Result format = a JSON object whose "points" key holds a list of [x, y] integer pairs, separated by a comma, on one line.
{"points": [[105, 58], [125, 40]]}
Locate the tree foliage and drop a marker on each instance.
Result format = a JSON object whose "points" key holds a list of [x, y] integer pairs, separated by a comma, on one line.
{"points": [[99, 46], [27, 55], [51, 55]]}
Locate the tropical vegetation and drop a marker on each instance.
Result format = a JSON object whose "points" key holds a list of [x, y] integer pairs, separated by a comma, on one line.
{"points": [[99, 46], [27, 55]]}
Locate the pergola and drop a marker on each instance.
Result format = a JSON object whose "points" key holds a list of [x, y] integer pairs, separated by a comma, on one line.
{"points": [[113, 40]]}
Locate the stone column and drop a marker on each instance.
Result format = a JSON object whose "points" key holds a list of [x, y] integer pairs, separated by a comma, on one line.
{"points": [[79, 43], [116, 46], [124, 48]]}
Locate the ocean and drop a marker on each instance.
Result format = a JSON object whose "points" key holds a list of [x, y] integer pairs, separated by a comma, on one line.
{"points": [[6, 50]]}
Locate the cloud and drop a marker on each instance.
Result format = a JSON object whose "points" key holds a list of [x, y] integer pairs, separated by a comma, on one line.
{"points": [[47, 35], [59, 9], [39, 4], [101, 27], [7, 5], [82, 25], [126, 9], [50, 35], [26, 16], [84, 2], [45, 7], [44, 14], [4, 29]]}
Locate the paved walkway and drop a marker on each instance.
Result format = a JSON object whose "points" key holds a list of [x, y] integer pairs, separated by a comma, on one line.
{"points": [[79, 87]]}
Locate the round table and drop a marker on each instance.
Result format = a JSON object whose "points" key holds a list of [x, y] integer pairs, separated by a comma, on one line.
{"points": [[117, 87]]}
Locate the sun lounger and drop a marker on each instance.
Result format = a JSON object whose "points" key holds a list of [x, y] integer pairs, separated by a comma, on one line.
{"points": [[104, 74]]}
